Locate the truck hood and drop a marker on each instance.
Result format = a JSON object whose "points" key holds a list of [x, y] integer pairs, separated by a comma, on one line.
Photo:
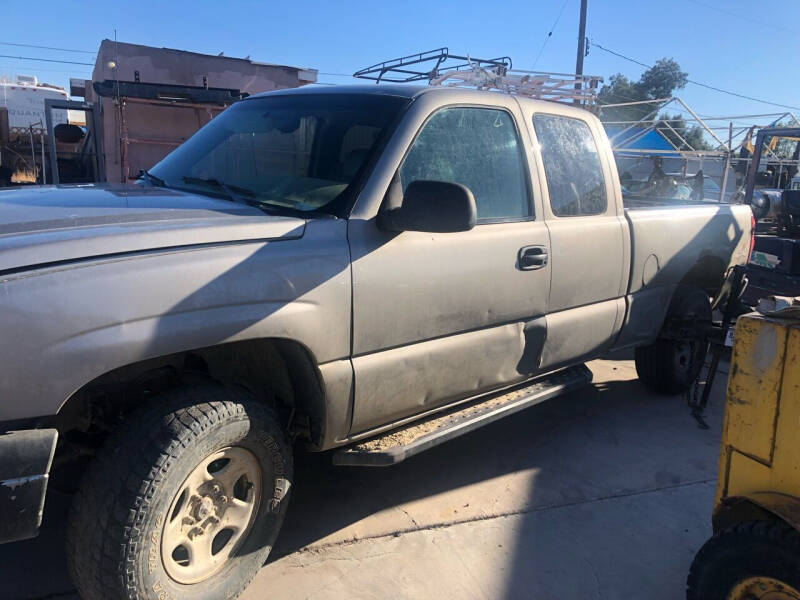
{"points": [[52, 224]]}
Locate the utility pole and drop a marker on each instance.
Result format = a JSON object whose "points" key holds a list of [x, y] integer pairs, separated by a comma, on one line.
{"points": [[581, 47]]}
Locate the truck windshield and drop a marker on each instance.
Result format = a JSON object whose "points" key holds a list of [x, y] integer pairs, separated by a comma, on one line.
{"points": [[302, 152]]}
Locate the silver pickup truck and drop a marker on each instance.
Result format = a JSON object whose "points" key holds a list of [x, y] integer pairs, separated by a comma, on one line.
{"points": [[365, 269]]}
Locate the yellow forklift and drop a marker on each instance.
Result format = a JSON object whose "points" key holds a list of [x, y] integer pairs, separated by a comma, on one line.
{"points": [[755, 551]]}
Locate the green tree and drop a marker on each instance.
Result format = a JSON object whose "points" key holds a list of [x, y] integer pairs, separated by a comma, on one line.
{"points": [[659, 81], [663, 78], [693, 138]]}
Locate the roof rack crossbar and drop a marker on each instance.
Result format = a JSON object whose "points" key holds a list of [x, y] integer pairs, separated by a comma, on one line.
{"points": [[441, 68], [432, 64]]}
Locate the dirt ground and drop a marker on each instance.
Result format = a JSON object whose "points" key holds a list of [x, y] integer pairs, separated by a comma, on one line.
{"points": [[603, 493]]}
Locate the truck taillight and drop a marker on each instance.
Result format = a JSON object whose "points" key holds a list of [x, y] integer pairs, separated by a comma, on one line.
{"points": [[752, 237]]}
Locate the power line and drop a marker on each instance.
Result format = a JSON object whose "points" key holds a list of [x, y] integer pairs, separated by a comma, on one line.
{"points": [[704, 85], [716, 89], [46, 70], [744, 18], [50, 60], [550, 33], [46, 48], [628, 58]]}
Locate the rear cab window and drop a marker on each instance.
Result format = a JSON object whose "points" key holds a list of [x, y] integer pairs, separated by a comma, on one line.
{"points": [[572, 165], [478, 148]]}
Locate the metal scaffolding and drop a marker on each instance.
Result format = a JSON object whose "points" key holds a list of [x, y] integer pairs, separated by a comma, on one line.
{"points": [[732, 150], [738, 125]]}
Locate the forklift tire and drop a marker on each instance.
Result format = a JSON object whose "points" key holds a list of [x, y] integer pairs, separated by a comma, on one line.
{"points": [[671, 366], [184, 500], [756, 559]]}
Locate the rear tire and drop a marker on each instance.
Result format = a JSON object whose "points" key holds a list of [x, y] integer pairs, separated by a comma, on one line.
{"points": [[173, 469], [749, 560], [671, 366]]}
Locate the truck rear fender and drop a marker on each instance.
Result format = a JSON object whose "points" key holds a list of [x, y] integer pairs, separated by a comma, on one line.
{"points": [[674, 247]]}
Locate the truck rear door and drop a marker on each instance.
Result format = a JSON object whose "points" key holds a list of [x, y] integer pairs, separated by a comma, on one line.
{"points": [[589, 239]]}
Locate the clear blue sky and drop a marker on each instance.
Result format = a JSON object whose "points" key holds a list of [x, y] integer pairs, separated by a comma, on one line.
{"points": [[741, 45]]}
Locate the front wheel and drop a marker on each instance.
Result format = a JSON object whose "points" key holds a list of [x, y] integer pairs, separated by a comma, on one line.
{"points": [[184, 501]]}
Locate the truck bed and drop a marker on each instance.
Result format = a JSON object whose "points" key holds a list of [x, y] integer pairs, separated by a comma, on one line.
{"points": [[678, 244]]}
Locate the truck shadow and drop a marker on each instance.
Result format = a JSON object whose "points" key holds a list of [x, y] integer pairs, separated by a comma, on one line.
{"points": [[621, 503], [613, 438]]}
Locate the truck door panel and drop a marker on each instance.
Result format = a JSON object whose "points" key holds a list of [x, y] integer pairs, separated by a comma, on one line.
{"points": [[587, 257], [416, 377], [589, 243], [583, 332], [441, 316]]}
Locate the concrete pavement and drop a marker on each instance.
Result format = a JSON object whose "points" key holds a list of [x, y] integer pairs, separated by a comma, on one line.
{"points": [[604, 493]]}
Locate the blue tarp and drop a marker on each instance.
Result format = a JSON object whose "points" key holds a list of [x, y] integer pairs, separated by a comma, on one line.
{"points": [[652, 140]]}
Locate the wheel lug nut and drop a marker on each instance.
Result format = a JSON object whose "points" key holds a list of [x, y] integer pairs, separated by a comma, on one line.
{"points": [[216, 489]]}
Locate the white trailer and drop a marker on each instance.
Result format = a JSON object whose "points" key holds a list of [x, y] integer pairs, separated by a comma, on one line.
{"points": [[24, 99]]}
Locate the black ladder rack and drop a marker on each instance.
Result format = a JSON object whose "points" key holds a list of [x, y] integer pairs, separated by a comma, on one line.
{"points": [[429, 65]]}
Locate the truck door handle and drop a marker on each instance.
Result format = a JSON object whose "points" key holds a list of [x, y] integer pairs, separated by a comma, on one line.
{"points": [[532, 257]]}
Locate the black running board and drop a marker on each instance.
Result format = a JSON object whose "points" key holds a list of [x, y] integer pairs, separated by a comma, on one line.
{"points": [[398, 444]]}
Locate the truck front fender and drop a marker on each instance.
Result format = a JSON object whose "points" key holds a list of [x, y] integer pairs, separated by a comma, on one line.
{"points": [[67, 325]]}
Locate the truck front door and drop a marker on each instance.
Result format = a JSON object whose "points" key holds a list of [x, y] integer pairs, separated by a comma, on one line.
{"points": [[442, 316]]}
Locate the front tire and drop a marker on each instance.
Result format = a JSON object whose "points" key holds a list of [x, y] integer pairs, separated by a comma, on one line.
{"points": [[184, 501], [749, 561]]}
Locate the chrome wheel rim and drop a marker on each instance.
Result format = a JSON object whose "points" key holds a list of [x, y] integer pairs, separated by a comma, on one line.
{"points": [[763, 588], [211, 515]]}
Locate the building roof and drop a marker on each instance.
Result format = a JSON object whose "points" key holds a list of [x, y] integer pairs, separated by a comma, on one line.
{"points": [[120, 61]]}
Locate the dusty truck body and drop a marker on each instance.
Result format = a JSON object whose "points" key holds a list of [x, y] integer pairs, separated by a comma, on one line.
{"points": [[323, 265]]}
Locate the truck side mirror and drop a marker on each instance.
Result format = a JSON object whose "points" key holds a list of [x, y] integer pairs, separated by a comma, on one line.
{"points": [[433, 206]]}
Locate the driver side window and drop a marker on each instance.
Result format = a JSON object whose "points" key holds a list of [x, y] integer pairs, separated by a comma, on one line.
{"points": [[478, 148]]}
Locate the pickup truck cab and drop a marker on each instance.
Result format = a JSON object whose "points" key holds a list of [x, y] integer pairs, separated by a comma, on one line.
{"points": [[323, 265]]}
